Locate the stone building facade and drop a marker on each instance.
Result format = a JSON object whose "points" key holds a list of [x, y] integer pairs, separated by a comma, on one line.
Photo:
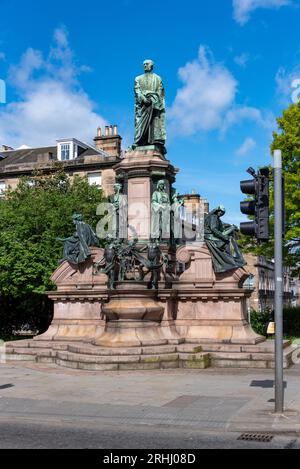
{"points": [[263, 283], [193, 213], [96, 161]]}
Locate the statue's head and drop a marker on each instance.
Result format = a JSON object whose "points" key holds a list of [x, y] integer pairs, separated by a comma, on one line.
{"points": [[161, 185], [77, 217], [148, 65], [220, 210], [117, 188]]}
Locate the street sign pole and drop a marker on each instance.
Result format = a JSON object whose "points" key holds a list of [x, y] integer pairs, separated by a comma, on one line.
{"points": [[278, 201]]}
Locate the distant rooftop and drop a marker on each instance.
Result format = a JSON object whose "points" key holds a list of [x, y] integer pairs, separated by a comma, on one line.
{"points": [[43, 154]]}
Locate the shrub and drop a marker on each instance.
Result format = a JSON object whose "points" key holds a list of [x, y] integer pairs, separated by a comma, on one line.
{"points": [[260, 321], [291, 321]]}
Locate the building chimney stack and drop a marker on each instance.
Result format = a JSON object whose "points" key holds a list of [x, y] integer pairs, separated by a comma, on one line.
{"points": [[110, 142]]}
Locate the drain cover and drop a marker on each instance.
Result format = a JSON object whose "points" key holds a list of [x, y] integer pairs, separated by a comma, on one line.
{"points": [[259, 437]]}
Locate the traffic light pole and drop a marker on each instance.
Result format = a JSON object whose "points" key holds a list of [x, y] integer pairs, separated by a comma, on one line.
{"points": [[278, 201]]}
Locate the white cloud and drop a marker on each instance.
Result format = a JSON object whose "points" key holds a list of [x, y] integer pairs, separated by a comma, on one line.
{"points": [[207, 99], [248, 145], [51, 102], [242, 9], [208, 91], [239, 114], [242, 60], [21, 75]]}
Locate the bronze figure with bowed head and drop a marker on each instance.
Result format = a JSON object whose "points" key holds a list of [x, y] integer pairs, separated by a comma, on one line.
{"points": [[76, 247], [221, 241]]}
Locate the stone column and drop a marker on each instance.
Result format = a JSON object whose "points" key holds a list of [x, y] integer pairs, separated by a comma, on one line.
{"points": [[139, 171]]}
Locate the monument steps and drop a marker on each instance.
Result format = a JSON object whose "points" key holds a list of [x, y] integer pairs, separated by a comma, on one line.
{"points": [[268, 346], [36, 344], [265, 359], [90, 357], [94, 350]]}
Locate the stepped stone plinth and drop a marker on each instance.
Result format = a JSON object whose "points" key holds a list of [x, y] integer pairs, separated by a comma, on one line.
{"points": [[201, 321], [133, 317], [195, 318]]}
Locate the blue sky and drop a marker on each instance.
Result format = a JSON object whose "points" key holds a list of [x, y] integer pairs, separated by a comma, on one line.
{"points": [[227, 66]]}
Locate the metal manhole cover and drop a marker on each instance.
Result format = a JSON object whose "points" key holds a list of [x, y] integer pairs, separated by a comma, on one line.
{"points": [[259, 437]]}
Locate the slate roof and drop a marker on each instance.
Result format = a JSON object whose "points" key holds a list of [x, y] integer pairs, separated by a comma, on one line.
{"points": [[30, 156]]}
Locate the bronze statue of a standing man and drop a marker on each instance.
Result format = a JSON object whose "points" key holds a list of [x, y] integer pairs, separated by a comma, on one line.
{"points": [[150, 109], [160, 212]]}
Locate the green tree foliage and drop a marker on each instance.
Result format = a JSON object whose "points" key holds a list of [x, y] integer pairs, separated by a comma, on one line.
{"points": [[286, 139], [31, 217], [291, 321]]}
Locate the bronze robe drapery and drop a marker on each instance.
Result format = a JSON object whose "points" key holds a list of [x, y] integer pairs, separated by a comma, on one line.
{"points": [[224, 249], [76, 247], [150, 126], [160, 215]]}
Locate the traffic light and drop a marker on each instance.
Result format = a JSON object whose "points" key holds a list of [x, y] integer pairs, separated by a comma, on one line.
{"points": [[258, 207]]}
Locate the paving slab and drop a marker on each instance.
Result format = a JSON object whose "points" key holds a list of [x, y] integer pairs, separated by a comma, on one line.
{"points": [[235, 400]]}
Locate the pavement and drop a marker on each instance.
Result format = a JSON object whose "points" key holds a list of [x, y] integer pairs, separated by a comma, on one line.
{"points": [[48, 406]]}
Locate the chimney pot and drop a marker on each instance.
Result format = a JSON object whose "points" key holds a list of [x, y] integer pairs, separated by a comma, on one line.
{"points": [[110, 141]]}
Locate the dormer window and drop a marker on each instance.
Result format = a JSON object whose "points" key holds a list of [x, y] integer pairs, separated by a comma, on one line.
{"points": [[65, 151], [70, 149]]}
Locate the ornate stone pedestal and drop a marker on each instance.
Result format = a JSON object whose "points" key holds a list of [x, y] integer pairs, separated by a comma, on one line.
{"points": [[212, 307], [78, 301], [133, 318], [193, 320], [139, 172], [201, 321]]}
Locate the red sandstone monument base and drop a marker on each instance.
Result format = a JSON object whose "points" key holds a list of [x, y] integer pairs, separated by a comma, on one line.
{"points": [[197, 320], [200, 322]]}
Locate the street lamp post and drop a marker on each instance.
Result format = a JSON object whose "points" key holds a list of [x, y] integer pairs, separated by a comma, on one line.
{"points": [[278, 232]]}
